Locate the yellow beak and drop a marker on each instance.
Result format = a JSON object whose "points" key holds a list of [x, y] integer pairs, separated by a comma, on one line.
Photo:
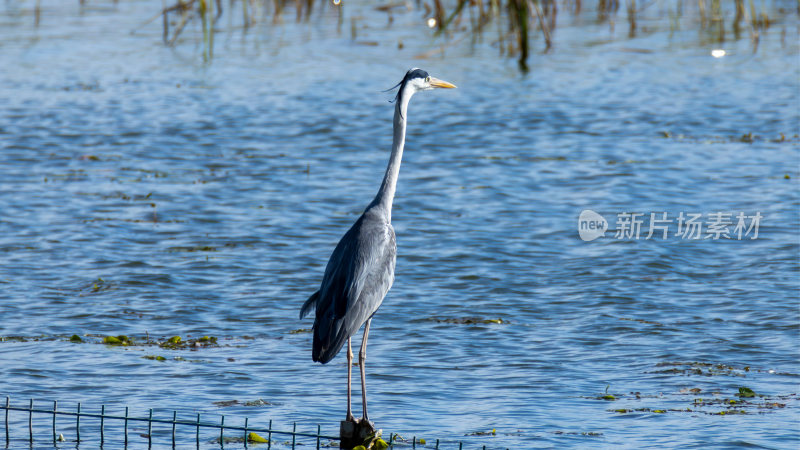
{"points": [[437, 83]]}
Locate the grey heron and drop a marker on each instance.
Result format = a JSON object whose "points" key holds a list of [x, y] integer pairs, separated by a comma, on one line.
{"points": [[361, 269]]}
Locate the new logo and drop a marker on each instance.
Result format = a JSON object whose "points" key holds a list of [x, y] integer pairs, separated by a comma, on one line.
{"points": [[591, 225]]}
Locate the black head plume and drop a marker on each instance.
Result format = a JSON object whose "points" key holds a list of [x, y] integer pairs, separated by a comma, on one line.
{"points": [[410, 75]]}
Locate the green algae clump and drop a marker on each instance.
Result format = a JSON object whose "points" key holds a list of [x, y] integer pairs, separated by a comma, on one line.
{"points": [[117, 340], [746, 392]]}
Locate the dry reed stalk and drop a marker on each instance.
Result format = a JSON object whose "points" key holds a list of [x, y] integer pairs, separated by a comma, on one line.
{"points": [[548, 42]]}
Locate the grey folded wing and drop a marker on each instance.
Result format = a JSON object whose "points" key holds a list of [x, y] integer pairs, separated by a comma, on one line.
{"points": [[358, 276]]}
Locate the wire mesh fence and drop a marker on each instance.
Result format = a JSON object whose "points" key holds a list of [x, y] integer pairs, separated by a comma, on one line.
{"points": [[27, 422], [44, 424]]}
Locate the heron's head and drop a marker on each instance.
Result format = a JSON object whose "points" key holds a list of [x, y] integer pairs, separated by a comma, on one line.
{"points": [[417, 80]]}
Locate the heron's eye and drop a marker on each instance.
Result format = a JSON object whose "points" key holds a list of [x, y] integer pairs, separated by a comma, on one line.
{"points": [[428, 79]]}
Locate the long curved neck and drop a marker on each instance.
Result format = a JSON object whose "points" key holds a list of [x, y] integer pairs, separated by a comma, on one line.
{"points": [[386, 193]]}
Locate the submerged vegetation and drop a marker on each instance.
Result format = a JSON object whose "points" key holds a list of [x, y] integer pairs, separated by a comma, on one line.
{"points": [[250, 403], [169, 343], [715, 398], [465, 320], [511, 26]]}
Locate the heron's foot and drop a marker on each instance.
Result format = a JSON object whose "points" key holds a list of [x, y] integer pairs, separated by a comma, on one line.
{"points": [[364, 422], [358, 432]]}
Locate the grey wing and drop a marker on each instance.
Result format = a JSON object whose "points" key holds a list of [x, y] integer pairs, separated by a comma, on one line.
{"points": [[357, 277]]}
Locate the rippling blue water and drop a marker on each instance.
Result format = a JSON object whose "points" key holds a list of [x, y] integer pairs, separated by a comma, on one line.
{"points": [[144, 192]]}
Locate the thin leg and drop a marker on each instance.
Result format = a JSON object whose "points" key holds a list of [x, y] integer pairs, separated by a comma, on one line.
{"points": [[350, 417], [362, 358]]}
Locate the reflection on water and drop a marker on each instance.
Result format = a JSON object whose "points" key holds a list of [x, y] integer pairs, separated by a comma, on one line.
{"points": [[149, 195]]}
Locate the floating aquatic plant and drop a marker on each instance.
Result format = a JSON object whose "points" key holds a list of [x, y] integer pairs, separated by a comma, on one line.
{"points": [[175, 342], [746, 392], [249, 403], [118, 340], [482, 433], [467, 321], [744, 401]]}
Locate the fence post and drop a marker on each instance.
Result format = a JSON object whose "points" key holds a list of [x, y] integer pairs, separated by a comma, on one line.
{"points": [[174, 416], [7, 402], [126, 426], [245, 432], [55, 409], [102, 424], [269, 435], [221, 431], [150, 429], [78, 422], [30, 421], [318, 428], [294, 436], [197, 434]]}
